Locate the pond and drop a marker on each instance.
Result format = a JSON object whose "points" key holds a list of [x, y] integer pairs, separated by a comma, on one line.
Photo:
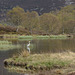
{"points": [[36, 46]]}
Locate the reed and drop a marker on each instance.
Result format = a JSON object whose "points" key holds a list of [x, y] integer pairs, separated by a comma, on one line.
{"points": [[24, 53]]}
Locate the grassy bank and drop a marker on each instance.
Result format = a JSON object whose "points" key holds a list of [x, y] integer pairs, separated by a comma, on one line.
{"points": [[7, 45], [46, 37], [26, 62], [59, 36], [30, 37]]}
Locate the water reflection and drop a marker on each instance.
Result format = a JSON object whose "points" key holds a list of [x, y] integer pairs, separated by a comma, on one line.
{"points": [[4, 55], [53, 46], [28, 48]]}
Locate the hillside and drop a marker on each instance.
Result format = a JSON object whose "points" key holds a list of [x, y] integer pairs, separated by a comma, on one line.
{"points": [[40, 6]]}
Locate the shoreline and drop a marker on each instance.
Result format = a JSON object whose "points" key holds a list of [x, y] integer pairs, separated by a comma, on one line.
{"points": [[15, 36]]}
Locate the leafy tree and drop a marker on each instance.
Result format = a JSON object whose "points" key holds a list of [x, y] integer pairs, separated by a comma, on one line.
{"points": [[31, 20], [65, 15], [69, 26], [16, 16], [49, 23]]}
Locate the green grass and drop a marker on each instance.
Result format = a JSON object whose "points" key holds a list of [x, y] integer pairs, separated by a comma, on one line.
{"points": [[25, 37], [59, 36], [43, 37], [7, 45], [31, 37]]}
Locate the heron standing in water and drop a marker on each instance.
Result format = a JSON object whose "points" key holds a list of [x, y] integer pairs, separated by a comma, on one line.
{"points": [[28, 44], [28, 47]]}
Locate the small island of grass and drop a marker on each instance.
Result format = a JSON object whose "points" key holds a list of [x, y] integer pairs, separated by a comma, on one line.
{"points": [[35, 62]]}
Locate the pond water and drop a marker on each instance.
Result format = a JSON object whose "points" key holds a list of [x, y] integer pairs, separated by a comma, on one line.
{"points": [[37, 46]]}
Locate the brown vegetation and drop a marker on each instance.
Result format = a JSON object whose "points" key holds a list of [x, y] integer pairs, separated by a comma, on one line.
{"points": [[12, 30]]}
